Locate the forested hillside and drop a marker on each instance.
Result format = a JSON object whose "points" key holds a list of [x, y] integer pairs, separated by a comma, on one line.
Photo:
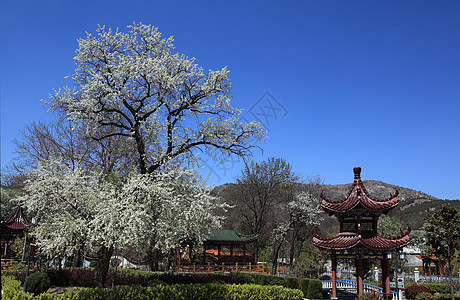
{"points": [[413, 205]]}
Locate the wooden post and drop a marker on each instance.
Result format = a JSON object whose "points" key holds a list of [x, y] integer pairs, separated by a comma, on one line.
{"points": [[218, 253], [236, 268], [359, 275], [385, 277], [204, 254], [193, 267], [249, 266], [6, 247], [334, 277], [209, 267], [223, 268]]}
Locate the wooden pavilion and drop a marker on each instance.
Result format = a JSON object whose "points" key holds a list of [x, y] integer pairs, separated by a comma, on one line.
{"points": [[14, 227], [358, 214], [228, 246]]}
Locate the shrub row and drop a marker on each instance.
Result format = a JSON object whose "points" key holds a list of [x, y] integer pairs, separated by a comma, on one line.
{"points": [[311, 288], [446, 297], [12, 290], [84, 277], [428, 291]]}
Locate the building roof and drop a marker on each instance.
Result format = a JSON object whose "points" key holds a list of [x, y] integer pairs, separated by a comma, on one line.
{"points": [[220, 235], [347, 240], [17, 221], [359, 198]]}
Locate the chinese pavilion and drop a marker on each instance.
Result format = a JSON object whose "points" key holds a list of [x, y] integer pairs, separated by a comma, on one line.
{"points": [[358, 214], [12, 228], [228, 246]]}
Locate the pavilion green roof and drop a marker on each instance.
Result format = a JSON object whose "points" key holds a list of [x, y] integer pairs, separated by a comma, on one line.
{"points": [[231, 235]]}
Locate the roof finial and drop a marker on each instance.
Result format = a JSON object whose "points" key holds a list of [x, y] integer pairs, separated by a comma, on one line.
{"points": [[357, 172]]}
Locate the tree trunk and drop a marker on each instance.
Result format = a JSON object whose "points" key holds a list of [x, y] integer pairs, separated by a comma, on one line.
{"points": [[292, 254], [102, 266], [275, 259], [170, 265], [77, 259], [154, 257]]}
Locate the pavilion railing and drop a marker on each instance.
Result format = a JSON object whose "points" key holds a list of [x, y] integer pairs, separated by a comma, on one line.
{"points": [[226, 268], [351, 287]]}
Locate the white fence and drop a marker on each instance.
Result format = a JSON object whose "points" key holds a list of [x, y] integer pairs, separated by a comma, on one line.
{"points": [[350, 286]]}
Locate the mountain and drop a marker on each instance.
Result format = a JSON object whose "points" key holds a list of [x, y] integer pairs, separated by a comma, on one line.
{"points": [[413, 205]]}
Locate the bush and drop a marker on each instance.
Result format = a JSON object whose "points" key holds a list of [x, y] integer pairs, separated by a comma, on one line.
{"points": [[370, 296], [17, 270], [304, 285], [437, 287], [37, 283], [424, 296], [243, 277], [446, 297], [59, 277], [315, 289], [12, 287], [413, 290], [260, 279], [292, 282]]}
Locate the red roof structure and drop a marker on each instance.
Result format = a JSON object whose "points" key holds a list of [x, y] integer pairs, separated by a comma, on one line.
{"points": [[15, 226], [348, 240], [358, 214], [359, 198], [17, 221]]}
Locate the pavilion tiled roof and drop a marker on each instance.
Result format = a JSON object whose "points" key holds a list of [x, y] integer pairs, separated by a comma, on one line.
{"points": [[358, 197], [219, 235], [17, 221], [347, 240]]}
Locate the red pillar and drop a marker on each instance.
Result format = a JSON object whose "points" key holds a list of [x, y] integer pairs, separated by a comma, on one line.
{"points": [[218, 253], [204, 254], [359, 275], [334, 277], [385, 277]]}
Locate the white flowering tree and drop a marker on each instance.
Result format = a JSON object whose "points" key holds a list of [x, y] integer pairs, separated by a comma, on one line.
{"points": [[173, 209], [145, 212], [304, 212], [161, 108], [162, 103]]}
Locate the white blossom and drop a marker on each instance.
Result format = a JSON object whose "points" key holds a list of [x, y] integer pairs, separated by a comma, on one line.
{"points": [[161, 102], [159, 212]]}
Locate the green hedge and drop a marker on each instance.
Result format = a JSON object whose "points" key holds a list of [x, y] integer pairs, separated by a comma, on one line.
{"points": [[304, 285], [12, 290], [315, 289], [311, 288], [446, 297], [437, 287]]}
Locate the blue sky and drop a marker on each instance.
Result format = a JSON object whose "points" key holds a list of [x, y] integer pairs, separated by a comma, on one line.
{"points": [[338, 84]]}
